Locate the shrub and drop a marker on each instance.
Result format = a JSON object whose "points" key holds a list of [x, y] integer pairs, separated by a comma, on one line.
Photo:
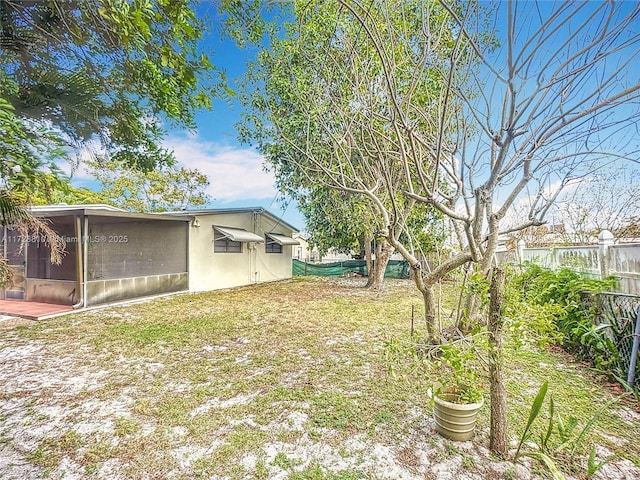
{"points": [[561, 294]]}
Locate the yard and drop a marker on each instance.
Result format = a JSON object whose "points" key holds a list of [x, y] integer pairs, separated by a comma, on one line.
{"points": [[277, 381]]}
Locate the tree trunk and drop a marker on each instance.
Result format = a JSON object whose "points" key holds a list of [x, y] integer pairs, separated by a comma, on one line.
{"points": [[434, 331], [367, 257], [498, 432], [470, 315], [469, 312], [430, 314], [383, 254], [425, 281]]}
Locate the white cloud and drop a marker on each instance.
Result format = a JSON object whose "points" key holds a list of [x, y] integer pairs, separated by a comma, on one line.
{"points": [[75, 167], [235, 173]]}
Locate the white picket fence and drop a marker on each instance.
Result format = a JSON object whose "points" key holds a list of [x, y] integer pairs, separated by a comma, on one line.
{"points": [[607, 258]]}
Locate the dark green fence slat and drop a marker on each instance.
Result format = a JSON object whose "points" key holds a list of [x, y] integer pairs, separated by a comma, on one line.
{"points": [[395, 268]]}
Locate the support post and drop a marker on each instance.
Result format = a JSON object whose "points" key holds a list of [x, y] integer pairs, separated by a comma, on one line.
{"points": [[631, 376], [555, 262], [79, 264], [605, 240], [85, 260], [521, 245]]}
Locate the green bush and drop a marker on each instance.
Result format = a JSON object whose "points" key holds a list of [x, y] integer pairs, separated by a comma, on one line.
{"points": [[564, 295]]}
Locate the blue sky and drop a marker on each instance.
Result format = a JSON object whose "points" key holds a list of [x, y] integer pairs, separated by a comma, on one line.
{"points": [[235, 171]]}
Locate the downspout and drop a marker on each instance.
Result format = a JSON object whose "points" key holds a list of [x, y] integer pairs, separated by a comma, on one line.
{"points": [[79, 264], [85, 256], [254, 250], [187, 253], [5, 257], [253, 275]]}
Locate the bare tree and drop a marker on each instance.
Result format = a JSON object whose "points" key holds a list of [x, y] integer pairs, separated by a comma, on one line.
{"points": [[608, 199], [453, 105], [550, 99]]}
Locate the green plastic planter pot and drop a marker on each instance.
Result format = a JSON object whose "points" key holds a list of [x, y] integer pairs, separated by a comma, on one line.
{"points": [[455, 421]]}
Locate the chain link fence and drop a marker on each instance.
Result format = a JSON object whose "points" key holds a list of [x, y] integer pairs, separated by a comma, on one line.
{"points": [[617, 328]]}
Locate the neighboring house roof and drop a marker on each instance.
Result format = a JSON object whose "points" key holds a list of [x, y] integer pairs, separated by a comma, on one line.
{"points": [[223, 211]]}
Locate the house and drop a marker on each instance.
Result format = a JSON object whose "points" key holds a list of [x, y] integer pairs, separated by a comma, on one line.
{"points": [[116, 255], [304, 252], [237, 246], [111, 255]]}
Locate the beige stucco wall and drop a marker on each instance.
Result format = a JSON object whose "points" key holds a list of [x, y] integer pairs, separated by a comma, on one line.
{"points": [[211, 271]]}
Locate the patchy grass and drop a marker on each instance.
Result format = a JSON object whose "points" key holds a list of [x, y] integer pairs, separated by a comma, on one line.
{"points": [[284, 380], [577, 393]]}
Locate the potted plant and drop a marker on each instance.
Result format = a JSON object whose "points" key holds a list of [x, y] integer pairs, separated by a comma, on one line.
{"points": [[457, 394]]}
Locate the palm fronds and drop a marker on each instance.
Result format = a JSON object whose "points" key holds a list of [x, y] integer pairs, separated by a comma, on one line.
{"points": [[16, 215]]}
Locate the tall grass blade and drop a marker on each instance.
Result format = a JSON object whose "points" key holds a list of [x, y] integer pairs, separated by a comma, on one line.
{"points": [[533, 414], [545, 439], [593, 466], [590, 423]]}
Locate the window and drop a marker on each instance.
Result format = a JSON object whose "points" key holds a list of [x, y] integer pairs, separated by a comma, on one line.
{"points": [[271, 246], [223, 244]]}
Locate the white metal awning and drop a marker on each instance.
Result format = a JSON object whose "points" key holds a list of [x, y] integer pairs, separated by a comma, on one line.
{"points": [[239, 235], [282, 239]]}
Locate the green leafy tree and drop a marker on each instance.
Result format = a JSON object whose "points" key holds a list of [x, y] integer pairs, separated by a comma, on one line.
{"points": [[342, 221], [345, 222], [67, 193], [112, 71], [156, 190], [333, 219], [329, 106], [28, 153]]}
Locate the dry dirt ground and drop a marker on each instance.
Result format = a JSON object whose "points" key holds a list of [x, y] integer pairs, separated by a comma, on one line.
{"points": [[283, 381]]}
